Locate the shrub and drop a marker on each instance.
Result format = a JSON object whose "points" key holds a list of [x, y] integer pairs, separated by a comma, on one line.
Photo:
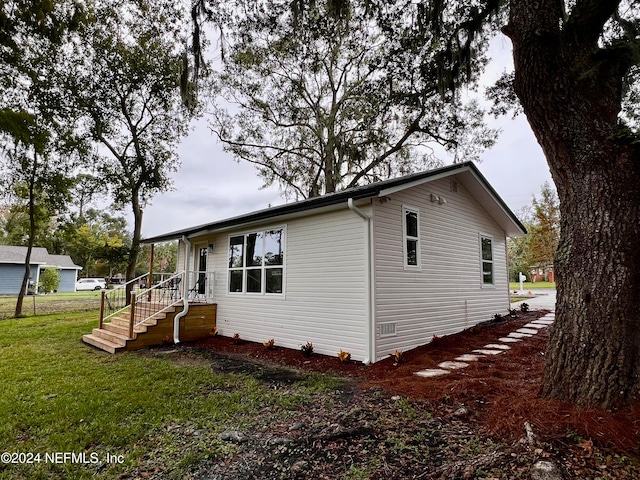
{"points": [[524, 307], [344, 356], [307, 350], [49, 280], [397, 357]]}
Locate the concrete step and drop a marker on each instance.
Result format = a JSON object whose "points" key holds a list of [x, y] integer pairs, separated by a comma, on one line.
{"points": [[115, 338], [101, 343]]}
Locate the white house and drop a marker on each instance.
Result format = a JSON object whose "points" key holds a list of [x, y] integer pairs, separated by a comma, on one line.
{"points": [[367, 270]]}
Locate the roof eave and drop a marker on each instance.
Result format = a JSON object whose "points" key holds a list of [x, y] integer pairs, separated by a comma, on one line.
{"points": [[501, 213]]}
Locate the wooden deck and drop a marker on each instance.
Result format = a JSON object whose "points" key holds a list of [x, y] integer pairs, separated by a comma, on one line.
{"points": [[113, 337]]}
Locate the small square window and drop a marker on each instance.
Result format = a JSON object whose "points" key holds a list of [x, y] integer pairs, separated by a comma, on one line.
{"points": [[254, 281], [273, 280], [235, 281], [412, 252]]}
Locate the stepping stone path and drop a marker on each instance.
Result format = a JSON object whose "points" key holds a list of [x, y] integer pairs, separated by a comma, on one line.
{"points": [[529, 330], [432, 372], [453, 365]]}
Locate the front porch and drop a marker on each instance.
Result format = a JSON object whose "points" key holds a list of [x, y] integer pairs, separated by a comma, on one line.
{"points": [[146, 315]]}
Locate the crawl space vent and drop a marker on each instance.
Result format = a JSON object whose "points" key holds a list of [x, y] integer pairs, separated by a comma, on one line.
{"points": [[387, 329]]}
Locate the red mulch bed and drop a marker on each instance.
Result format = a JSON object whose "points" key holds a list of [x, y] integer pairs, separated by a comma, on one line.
{"points": [[499, 391]]}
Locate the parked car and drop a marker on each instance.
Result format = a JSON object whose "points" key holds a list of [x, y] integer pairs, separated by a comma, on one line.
{"points": [[90, 284]]}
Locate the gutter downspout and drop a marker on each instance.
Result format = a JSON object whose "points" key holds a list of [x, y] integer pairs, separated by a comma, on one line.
{"points": [[369, 330], [185, 291]]}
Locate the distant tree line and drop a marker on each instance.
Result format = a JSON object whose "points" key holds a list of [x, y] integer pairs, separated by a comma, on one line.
{"points": [[94, 239], [538, 247]]}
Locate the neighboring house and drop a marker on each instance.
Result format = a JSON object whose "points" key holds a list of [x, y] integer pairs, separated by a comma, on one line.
{"points": [[367, 270], [542, 272], [12, 268]]}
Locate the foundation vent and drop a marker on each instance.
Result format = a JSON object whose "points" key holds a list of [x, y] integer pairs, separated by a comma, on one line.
{"points": [[387, 329]]}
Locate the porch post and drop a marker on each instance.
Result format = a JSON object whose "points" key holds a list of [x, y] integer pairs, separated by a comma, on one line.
{"points": [[101, 308], [132, 314]]}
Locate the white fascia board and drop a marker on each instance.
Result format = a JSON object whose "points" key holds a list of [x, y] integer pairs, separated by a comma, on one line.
{"points": [[415, 183], [273, 220]]}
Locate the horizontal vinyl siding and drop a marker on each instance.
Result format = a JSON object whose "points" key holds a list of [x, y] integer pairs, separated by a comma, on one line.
{"points": [[11, 276], [67, 280], [446, 295], [180, 265], [324, 290]]}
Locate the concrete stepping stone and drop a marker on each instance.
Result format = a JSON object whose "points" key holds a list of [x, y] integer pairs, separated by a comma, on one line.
{"points": [[541, 321], [537, 326], [519, 335], [529, 331], [509, 340], [495, 346], [487, 351], [432, 372], [468, 357], [453, 365]]}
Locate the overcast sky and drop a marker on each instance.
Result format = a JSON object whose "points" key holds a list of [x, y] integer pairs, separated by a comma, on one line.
{"points": [[211, 185]]}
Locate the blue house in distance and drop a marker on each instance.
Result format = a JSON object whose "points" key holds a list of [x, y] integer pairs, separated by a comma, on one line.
{"points": [[12, 268]]}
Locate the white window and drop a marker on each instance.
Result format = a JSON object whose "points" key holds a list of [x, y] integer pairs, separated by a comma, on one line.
{"points": [[411, 237], [486, 259], [256, 262]]}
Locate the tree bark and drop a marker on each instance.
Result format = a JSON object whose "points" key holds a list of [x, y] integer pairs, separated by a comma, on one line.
{"points": [[30, 242], [571, 92], [135, 242]]}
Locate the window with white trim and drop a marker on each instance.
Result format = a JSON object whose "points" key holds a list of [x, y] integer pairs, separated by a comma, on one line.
{"points": [[411, 237], [486, 259], [256, 262]]}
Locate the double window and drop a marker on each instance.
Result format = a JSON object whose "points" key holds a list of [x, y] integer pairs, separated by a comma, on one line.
{"points": [[256, 262], [411, 234], [486, 259]]}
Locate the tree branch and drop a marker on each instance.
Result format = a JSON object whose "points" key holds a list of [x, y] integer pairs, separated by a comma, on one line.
{"points": [[587, 20], [415, 125]]}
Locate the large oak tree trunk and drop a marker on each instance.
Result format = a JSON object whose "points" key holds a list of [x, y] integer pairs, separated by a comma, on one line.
{"points": [[571, 95], [135, 242]]}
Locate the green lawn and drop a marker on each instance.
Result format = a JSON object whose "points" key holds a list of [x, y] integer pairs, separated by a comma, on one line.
{"points": [[531, 285], [50, 303], [158, 414]]}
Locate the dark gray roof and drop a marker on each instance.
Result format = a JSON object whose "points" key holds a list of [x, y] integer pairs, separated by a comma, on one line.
{"points": [[39, 256], [486, 195]]}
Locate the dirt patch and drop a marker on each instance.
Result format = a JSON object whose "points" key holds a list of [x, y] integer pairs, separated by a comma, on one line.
{"points": [[467, 424]]}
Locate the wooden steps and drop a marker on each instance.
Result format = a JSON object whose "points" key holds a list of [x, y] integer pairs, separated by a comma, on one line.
{"points": [[101, 343], [113, 337]]}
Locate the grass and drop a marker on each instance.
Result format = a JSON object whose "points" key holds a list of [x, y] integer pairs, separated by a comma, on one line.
{"points": [[531, 286], [154, 415], [50, 303]]}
